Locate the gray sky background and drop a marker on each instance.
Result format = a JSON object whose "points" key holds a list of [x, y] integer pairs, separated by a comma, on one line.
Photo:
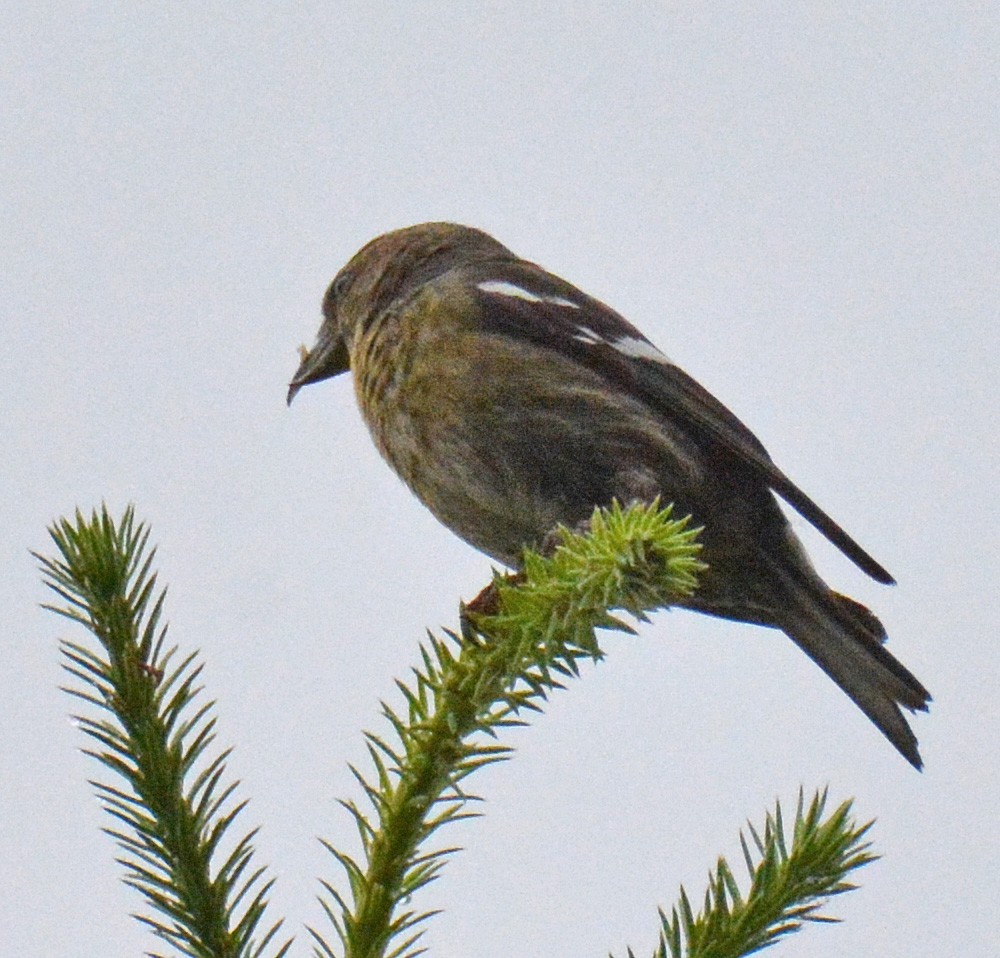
{"points": [[798, 204]]}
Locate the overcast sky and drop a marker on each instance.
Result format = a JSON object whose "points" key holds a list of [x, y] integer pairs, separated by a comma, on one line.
{"points": [[798, 204]]}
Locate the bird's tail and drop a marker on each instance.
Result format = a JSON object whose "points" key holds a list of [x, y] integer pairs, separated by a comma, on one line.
{"points": [[846, 641]]}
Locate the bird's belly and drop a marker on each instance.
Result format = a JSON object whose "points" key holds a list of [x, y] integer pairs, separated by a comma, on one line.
{"points": [[503, 481]]}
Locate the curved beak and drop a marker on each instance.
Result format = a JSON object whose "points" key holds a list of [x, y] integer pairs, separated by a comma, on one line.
{"points": [[327, 358]]}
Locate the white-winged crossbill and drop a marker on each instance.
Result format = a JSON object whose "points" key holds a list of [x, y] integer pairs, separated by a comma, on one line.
{"points": [[509, 401]]}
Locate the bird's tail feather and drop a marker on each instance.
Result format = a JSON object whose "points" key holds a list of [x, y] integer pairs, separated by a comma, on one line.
{"points": [[846, 640]]}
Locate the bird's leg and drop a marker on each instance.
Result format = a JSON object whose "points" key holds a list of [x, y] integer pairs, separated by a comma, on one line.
{"points": [[487, 602]]}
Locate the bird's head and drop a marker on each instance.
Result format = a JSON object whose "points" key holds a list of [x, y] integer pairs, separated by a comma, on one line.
{"points": [[378, 275]]}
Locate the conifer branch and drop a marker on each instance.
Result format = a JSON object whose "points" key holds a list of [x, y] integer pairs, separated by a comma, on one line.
{"points": [[168, 797], [173, 809], [475, 683], [789, 884]]}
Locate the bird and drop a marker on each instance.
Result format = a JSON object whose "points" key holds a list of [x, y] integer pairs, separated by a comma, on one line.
{"points": [[511, 402]]}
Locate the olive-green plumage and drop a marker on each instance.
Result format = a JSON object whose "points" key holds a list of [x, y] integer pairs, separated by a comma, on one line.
{"points": [[509, 401]]}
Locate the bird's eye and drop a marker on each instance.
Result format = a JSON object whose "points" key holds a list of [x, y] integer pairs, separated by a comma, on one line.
{"points": [[339, 286], [335, 293]]}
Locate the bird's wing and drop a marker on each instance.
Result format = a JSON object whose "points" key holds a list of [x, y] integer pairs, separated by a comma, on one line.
{"points": [[521, 300]]}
